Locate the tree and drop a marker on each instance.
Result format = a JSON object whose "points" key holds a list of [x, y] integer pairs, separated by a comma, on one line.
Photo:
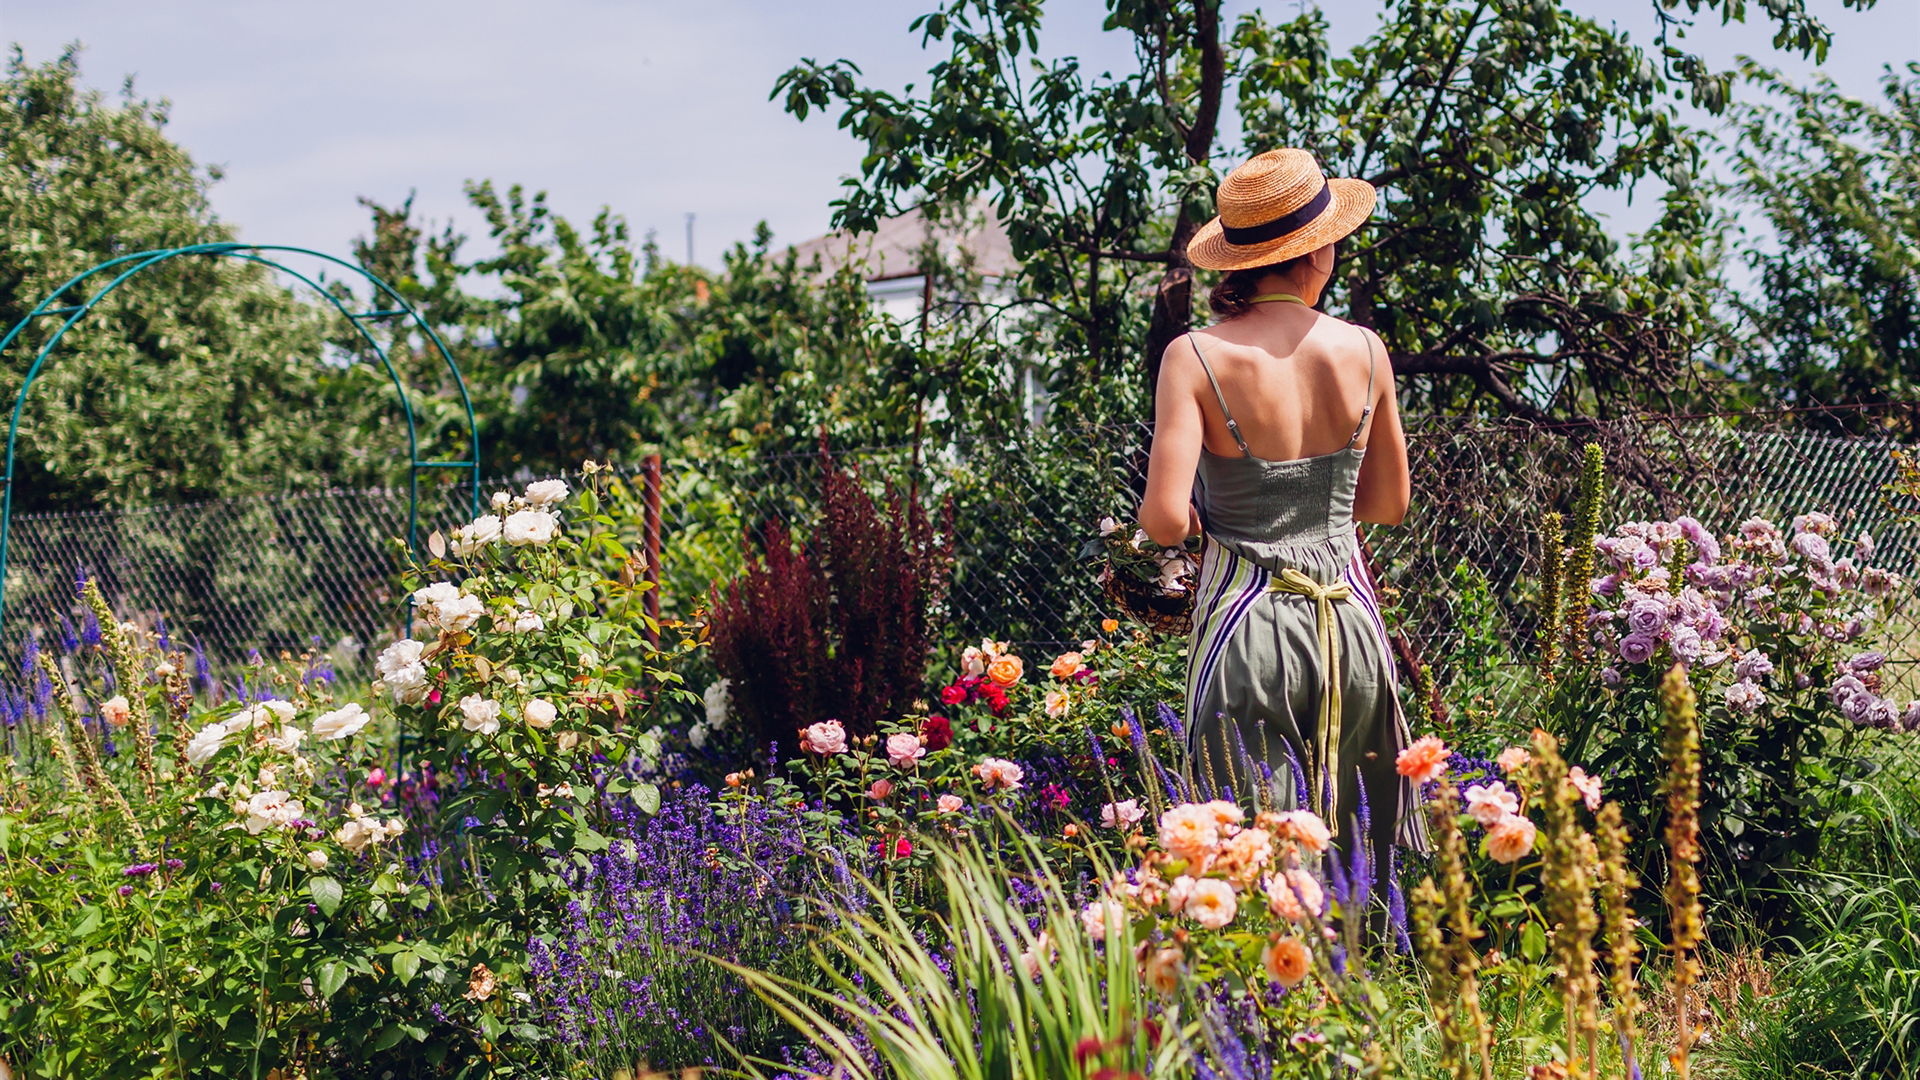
{"points": [[582, 344], [201, 378], [1835, 319], [1486, 123]]}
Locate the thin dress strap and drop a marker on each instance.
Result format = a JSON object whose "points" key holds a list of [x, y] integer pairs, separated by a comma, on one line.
{"points": [[1367, 412], [1222, 398]]}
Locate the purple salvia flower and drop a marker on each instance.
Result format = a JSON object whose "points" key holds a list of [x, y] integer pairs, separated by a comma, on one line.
{"points": [[90, 630], [1299, 775], [1397, 905], [1172, 721], [69, 641]]}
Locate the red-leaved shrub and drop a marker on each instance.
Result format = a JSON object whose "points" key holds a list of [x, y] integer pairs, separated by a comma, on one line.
{"points": [[837, 630]]}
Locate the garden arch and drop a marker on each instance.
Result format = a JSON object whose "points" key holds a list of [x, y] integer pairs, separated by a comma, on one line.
{"points": [[387, 303]]}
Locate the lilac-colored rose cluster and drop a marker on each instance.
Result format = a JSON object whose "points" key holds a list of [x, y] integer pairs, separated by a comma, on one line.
{"points": [[1674, 592]]}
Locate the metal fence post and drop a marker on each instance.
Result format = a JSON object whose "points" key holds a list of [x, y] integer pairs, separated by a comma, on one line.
{"points": [[650, 487]]}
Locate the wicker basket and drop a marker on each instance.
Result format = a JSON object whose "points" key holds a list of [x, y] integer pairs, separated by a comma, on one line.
{"points": [[1157, 611]]}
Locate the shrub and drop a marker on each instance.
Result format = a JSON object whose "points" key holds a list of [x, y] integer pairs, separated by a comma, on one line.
{"points": [[838, 629]]}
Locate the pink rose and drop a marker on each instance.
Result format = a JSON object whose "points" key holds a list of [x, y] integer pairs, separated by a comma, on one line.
{"points": [[824, 738], [880, 790], [905, 750], [1510, 838]]}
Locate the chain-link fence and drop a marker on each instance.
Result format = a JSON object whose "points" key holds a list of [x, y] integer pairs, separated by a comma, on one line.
{"points": [[317, 571]]}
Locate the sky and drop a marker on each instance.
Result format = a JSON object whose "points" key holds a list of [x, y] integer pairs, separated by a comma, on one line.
{"points": [[656, 109]]}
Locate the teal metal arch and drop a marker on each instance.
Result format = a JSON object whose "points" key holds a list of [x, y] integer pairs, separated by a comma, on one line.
{"points": [[387, 303]]}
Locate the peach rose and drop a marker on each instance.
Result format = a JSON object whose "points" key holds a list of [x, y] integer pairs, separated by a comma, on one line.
{"points": [[1211, 903], [1163, 970], [1305, 828], [1005, 670], [1287, 961], [999, 773], [1588, 786], [1513, 758], [1294, 895], [1226, 813], [1108, 626], [1510, 838], [1057, 702], [1424, 761], [116, 711], [1067, 665], [1245, 854], [1188, 831], [949, 804], [1490, 802], [973, 662]]}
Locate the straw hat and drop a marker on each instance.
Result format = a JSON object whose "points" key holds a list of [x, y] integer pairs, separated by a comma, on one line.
{"points": [[1276, 207]]}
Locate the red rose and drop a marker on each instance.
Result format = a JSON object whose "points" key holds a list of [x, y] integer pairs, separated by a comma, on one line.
{"points": [[996, 698], [902, 848], [936, 733], [953, 695]]}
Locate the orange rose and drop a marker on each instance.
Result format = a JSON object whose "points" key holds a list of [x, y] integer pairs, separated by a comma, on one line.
{"points": [[1108, 626], [1067, 665], [1424, 761], [1006, 670], [1287, 960]]}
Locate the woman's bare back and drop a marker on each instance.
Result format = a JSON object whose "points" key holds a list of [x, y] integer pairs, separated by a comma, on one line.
{"points": [[1296, 383], [1297, 386]]}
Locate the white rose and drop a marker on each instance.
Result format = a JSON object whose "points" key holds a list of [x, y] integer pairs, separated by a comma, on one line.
{"points": [[717, 698], [476, 534], [427, 601], [544, 493], [355, 835], [287, 740], [697, 736], [340, 723], [526, 527], [528, 622], [479, 714], [403, 653], [459, 614], [281, 710], [409, 684], [272, 808], [540, 713], [317, 859], [501, 500], [206, 743]]}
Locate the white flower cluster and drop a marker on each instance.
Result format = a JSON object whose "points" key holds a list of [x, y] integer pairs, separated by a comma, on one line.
{"points": [[361, 830], [527, 521], [401, 669], [443, 606], [269, 719], [718, 699]]}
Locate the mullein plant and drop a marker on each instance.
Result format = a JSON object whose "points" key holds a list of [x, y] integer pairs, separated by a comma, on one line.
{"points": [[1581, 554], [1686, 929], [1567, 887], [1553, 585], [1445, 929]]}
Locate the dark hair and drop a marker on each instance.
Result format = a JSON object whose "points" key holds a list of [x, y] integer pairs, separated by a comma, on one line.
{"points": [[1237, 288]]}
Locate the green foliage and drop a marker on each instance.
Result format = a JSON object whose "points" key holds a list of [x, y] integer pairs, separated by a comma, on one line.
{"points": [[1836, 316], [582, 345], [201, 378]]}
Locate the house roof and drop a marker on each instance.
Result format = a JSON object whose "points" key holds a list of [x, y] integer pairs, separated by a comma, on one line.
{"points": [[894, 249]]}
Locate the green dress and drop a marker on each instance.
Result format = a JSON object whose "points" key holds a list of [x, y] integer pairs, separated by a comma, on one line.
{"points": [[1283, 599]]}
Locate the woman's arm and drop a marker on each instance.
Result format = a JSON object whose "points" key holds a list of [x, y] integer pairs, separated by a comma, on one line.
{"points": [[1167, 512], [1385, 487]]}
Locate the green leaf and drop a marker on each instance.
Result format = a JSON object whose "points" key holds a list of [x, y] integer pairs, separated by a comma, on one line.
{"points": [[1533, 942], [326, 893], [585, 839], [88, 922], [388, 1038], [333, 975], [406, 964], [648, 797]]}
